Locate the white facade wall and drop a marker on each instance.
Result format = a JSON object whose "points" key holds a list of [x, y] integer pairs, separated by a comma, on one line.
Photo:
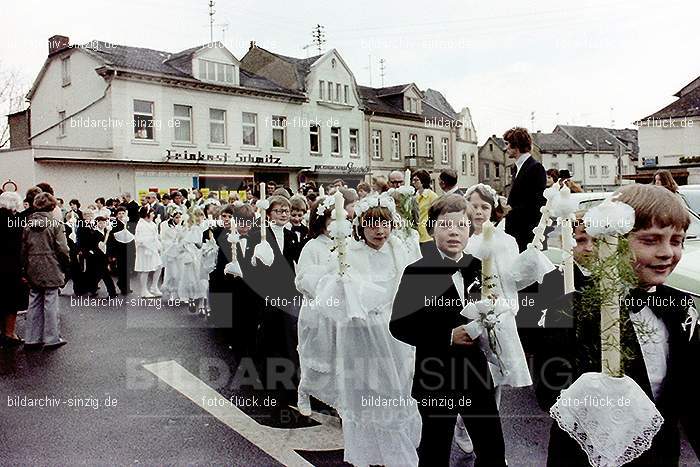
{"points": [[333, 113], [582, 164], [669, 143], [87, 90]]}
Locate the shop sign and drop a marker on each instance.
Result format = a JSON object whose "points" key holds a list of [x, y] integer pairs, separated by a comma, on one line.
{"points": [[225, 158], [345, 169]]}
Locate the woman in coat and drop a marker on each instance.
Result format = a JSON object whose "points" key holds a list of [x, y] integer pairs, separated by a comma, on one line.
{"points": [[45, 257], [12, 288]]}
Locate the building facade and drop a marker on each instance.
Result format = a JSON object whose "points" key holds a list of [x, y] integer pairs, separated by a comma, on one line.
{"points": [[107, 119], [332, 126], [409, 128], [670, 138], [104, 119], [595, 157]]}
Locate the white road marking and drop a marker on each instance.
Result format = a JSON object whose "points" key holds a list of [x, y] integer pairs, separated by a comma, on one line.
{"points": [[279, 443]]}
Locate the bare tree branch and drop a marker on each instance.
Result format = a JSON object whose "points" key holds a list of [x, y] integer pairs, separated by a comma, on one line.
{"points": [[12, 92]]}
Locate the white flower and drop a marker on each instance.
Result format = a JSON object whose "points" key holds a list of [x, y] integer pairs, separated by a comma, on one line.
{"points": [[609, 218], [262, 204], [340, 229], [406, 190], [233, 237], [551, 192], [562, 204]]}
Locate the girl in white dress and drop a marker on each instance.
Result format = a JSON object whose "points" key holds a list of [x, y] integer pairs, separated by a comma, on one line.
{"points": [[192, 287], [512, 274], [361, 369], [171, 238], [148, 260]]}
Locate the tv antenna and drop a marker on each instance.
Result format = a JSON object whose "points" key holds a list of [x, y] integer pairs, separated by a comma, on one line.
{"points": [[318, 37]]}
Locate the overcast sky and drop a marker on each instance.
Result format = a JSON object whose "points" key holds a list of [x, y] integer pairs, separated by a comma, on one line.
{"points": [[577, 62]]}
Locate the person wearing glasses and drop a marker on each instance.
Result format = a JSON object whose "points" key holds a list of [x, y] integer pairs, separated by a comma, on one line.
{"points": [[396, 179], [280, 302]]}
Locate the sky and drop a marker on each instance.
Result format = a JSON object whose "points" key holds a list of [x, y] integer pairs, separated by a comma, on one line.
{"points": [[585, 62]]}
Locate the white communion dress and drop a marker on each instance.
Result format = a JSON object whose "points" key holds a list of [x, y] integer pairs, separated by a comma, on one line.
{"points": [[515, 271], [191, 285], [147, 247], [349, 359], [171, 237]]}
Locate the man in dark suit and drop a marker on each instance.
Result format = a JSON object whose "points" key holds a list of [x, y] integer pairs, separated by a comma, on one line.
{"points": [[529, 182], [451, 374], [158, 209], [448, 182]]}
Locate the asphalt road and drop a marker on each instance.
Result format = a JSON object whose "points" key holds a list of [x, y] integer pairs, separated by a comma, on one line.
{"points": [[108, 403]]}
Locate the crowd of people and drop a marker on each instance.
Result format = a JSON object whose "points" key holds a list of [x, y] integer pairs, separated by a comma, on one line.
{"points": [[361, 326]]}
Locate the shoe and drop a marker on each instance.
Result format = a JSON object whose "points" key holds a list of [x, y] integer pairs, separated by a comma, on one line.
{"points": [[58, 344], [9, 341], [156, 292], [147, 294], [35, 346]]}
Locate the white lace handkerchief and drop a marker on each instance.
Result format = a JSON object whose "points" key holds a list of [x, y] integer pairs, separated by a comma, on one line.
{"points": [[612, 419]]}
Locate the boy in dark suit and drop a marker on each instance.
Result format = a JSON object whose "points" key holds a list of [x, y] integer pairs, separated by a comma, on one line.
{"points": [[661, 353], [117, 252], [280, 301], [451, 375]]}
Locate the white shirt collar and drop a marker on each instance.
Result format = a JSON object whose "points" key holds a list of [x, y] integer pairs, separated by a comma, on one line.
{"points": [[443, 255], [521, 160], [274, 226], [452, 190]]}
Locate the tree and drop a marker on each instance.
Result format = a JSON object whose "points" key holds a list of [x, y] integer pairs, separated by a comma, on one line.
{"points": [[12, 92]]}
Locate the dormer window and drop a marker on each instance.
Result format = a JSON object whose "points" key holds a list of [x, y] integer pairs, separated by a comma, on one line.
{"points": [[215, 71], [412, 105]]}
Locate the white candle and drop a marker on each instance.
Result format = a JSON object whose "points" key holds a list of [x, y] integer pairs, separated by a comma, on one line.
{"points": [[610, 314], [263, 214], [407, 178], [567, 232], [339, 206], [339, 217], [234, 230], [487, 278], [321, 191]]}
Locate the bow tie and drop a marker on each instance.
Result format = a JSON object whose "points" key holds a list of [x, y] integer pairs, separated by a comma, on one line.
{"points": [[656, 301], [450, 266]]}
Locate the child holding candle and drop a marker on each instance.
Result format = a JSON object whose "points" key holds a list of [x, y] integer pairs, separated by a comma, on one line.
{"points": [[657, 329], [274, 284], [426, 313]]}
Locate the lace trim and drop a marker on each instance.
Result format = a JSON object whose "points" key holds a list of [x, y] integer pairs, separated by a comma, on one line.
{"points": [[640, 443]]}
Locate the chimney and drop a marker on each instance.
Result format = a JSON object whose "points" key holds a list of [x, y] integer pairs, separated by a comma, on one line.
{"points": [[57, 43], [252, 44]]}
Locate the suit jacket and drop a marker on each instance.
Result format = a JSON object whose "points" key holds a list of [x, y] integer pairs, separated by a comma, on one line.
{"points": [[526, 199], [117, 249], [277, 280], [421, 318], [572, 347]]}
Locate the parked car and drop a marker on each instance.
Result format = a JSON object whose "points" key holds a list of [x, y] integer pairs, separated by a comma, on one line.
{"points": [[691, 196], [686, 276]]}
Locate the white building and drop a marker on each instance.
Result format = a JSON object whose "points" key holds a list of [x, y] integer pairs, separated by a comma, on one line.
{"points": [[597, 158], [332, 126], [670, 138], [104, 119]]}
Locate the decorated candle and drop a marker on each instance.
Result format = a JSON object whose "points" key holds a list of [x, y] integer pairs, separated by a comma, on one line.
{"points": [[263, 214], [610, 314], [487, 277], [407, 178], [567, 232], [234, 251], [340, 241], [321, 191]]}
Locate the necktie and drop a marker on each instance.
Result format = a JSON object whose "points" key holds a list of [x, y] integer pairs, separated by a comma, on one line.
{"points": [[513, 170]]}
